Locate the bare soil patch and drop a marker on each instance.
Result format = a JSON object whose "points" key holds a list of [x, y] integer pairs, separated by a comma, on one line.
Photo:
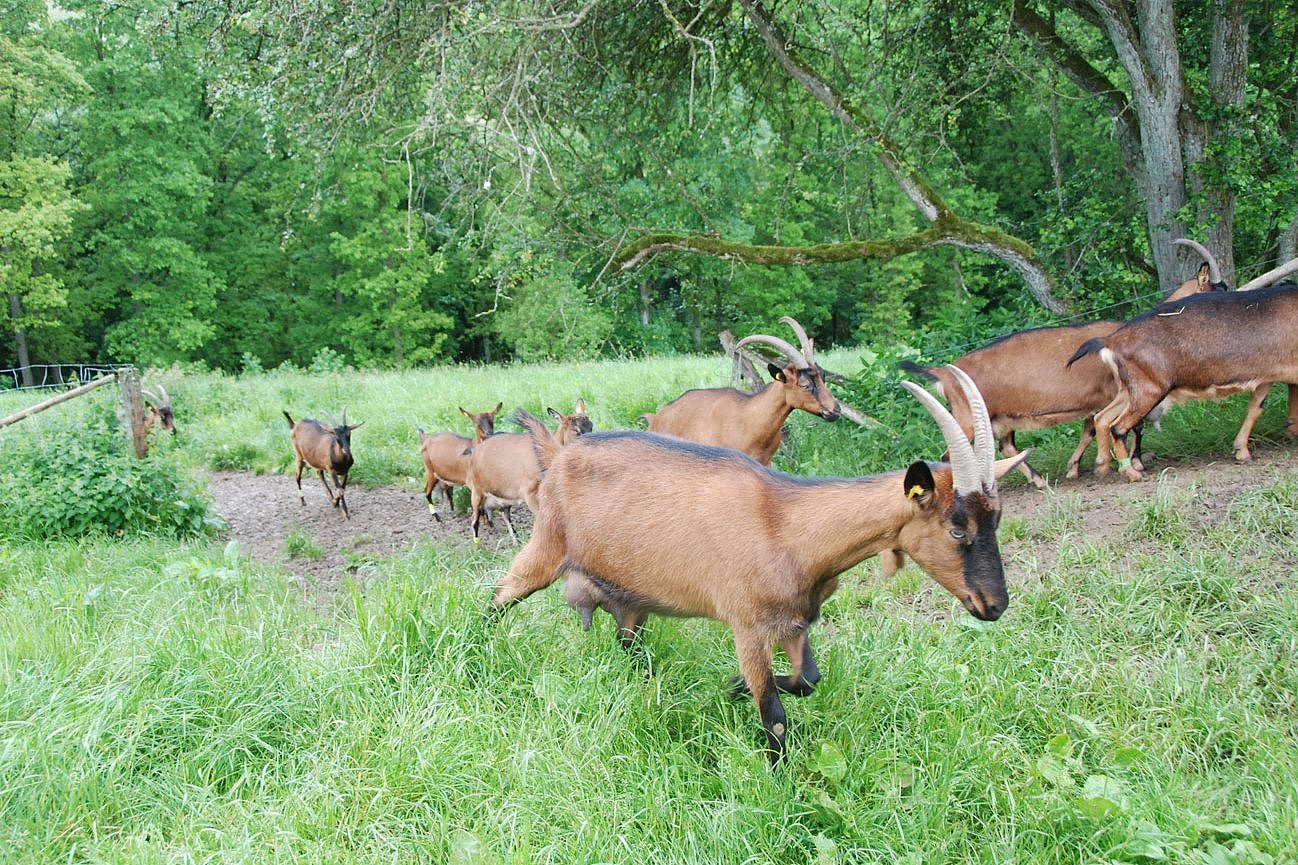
{"points": [[264, 511]]}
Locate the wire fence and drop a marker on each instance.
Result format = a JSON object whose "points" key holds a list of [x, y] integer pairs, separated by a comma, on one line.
{"points": [[44, 376]]}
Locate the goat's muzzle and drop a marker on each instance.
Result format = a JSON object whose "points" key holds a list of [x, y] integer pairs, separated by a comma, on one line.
{"points": [[832, 413], [989, 609]]}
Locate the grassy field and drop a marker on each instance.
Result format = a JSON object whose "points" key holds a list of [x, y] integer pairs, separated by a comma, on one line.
{"points": [[172, 701]]}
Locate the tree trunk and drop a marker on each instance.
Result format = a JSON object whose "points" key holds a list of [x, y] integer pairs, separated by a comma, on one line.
{"points": [[20, 338]]}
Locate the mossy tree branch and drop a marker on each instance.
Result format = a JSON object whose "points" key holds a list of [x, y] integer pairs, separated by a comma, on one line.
{"points": [[946, 228]]}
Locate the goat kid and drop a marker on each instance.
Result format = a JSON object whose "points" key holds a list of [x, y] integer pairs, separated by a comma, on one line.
{"points": [[752, 422], [1203, 347], [324, 448], [504, 472], [652, 523], [446, 457]]}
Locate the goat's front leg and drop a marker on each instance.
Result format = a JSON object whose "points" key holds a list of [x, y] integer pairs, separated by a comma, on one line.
{"points": [[341, 486], [803, 672], [754, 651]]}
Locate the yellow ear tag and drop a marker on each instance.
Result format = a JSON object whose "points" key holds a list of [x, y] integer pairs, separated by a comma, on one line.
{"points": [[915, 492]]}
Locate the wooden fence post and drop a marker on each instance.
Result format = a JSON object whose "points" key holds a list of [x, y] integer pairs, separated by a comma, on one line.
{"points": [[130, 410]]}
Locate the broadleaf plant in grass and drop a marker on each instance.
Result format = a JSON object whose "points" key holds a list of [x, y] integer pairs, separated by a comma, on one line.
{"points": [[79, 478]]}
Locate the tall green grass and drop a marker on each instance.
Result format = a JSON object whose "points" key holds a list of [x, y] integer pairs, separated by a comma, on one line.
{"points": [[163, 702], [166, 701]]}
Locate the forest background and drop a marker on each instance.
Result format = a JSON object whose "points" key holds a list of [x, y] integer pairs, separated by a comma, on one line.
{"points": [[253, 183]]}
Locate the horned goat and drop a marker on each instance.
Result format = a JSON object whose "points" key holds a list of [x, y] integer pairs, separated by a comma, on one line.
{"points": [[656, 524], [1203, 347], [446, 457], [503, 469], [324, 448], [752, 422], [159, 413]]}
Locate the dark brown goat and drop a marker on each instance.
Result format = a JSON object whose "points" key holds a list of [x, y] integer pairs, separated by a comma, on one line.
{"points": [[656, 524], [752, 422], [1203, 347], [324, 448], [503, 469], [446, 457]]}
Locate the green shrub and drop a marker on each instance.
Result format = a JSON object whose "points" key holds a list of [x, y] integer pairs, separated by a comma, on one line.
{"points": [[77, 479]]}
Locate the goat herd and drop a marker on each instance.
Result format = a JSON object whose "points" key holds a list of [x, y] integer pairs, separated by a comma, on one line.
{"points": [[687, 519]]}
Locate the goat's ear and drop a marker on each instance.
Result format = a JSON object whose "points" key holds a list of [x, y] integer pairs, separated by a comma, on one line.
{"points": [[352, 426], [1008, 464], [465, 413], [499, 406], [554, 414], [580, 408], [919, 484], [776, 372]]}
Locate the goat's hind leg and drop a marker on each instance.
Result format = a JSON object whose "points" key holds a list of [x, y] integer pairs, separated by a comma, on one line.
{"points": [[534, 568], [328, 492]]}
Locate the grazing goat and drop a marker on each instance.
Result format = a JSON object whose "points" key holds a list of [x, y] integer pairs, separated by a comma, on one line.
{"points": [[159, 414], [503, 469], [324, 447], [1024, 380], [446, 457], [652, 523], [752, 422], [1203, 347], [1026, 386]]}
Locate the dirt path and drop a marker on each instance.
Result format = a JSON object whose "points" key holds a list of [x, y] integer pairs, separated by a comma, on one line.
{"points": [[264, 513]]}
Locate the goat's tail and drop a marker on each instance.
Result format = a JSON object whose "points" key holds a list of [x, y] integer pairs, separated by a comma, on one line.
{"points": [[422, 435], [543, 441], [290, 418], [1091, 346], [915, 369]]}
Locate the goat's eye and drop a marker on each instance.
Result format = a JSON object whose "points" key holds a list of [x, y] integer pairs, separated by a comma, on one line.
{"points": [[958, 534]]}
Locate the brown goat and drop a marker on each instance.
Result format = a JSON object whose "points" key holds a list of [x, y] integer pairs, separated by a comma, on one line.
{"points": [[1026, 386], [652, 523], [752, 422], [159, 414], [446, 457], [324, 447], [503, 469], [1203, 347]]}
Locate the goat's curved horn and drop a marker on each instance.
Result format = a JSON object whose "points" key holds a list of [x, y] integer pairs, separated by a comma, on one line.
{"points": [[166, 400], [984, 444], [965, 476], [153, 397], [332, 421], [784, 348], [1214, 271], [807, 347]]}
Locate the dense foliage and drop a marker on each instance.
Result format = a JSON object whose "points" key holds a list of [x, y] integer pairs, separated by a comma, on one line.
{"points": [[81, 478], [188, 183]]}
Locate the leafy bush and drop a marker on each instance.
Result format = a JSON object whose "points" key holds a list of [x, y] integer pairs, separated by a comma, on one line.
{"points": [[80, 479]]}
